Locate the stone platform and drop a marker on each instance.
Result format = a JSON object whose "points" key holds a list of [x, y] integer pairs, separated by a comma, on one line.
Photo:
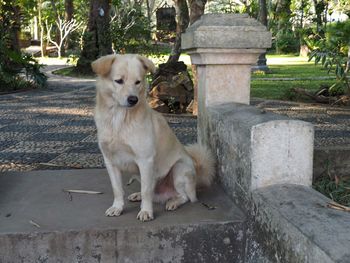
{"points": [[73, 228]]}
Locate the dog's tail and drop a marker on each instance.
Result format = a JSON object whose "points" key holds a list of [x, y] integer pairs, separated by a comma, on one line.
{"points": [[204, 163]]}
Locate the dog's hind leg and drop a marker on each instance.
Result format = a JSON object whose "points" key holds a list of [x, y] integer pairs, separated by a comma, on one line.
{"points": [[184, 183], [135, 197]]}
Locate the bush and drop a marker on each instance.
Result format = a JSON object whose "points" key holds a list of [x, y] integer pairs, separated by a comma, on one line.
{"points": [[332, 52], [286, 42], [130, 30], [18, 71]]}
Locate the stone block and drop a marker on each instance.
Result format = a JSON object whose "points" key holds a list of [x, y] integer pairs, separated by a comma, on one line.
{"points": [[226, 31], [75, 229], [292, 223], [256, 149]]}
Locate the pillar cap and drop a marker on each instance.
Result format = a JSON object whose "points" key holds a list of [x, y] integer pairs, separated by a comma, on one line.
{"points": [[236, 31]]}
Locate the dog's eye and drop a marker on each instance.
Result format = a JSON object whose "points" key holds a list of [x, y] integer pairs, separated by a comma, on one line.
{"points": [[119, 81], [137, 82]]}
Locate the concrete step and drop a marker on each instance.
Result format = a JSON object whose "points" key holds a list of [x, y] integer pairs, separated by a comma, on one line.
{"points": [[73, 228]]}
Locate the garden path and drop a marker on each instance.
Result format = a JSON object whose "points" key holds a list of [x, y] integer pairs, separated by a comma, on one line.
{"points": [[53, 128]]}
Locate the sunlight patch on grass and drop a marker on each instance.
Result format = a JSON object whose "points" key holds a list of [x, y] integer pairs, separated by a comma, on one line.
{"points": [[286, 60]]}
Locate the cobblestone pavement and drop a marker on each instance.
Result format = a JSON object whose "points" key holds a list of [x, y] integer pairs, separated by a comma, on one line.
{"points": [[54, 128], [332, 123]]}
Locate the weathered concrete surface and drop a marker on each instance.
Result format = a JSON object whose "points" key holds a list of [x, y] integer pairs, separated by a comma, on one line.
{"points": [[77, 231], [223, 74], [257, 148], [226, 31], [291, 223]]}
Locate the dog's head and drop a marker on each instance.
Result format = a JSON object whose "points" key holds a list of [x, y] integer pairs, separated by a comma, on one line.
{"points": [[123, 77]]}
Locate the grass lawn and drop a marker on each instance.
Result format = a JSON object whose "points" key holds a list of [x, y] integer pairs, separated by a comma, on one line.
{"points": [[281, 90], [281, 66], [70, 72], [287, 66]]}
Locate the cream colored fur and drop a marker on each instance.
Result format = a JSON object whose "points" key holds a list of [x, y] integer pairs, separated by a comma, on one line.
{"points": [[138, 140]]}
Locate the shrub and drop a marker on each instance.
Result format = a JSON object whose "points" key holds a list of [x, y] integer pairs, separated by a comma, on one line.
{"points": [[19, 71], [332, 52], [286, 42], [130, 29]]}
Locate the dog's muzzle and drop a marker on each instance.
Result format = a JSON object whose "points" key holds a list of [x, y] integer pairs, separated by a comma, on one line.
{"points": [[132, 101]]}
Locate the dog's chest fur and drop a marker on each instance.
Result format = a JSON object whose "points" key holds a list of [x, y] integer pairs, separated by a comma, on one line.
{"points": [[120, 139]]}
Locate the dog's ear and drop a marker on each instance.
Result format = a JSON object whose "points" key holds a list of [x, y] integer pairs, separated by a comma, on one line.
{"points": [[102, 66], [147, 64]]}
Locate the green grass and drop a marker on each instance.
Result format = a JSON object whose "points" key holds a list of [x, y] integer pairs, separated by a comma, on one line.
{"points": [[281, 90], [307, 70], [281, 66], [337, 190], [288, 66], [70, 72]]}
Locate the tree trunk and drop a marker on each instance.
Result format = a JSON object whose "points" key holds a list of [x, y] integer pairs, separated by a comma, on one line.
{"points": [[262, 12], [319, 10], [182, 21], [283, 14], [96, 41], [347, 69], [262, 17], [35, 28], [69, 11], [14, 30], [196, 9], [58, 36], [42, 32]]}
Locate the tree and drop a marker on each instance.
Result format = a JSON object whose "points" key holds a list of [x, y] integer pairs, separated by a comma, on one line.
{"points": [[96, 40], [69, 10], [261, 64], [68, 16], [196, 9], [182, 21], [64, 28], [10, 17], [284, 27]]}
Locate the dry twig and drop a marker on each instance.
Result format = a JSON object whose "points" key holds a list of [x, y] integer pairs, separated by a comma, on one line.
{"points": [[34, 223], [81, 191], [337, 206], [209, 207]]}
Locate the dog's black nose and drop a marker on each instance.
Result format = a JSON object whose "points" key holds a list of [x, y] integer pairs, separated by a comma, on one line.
{"points": [[132, 100]]}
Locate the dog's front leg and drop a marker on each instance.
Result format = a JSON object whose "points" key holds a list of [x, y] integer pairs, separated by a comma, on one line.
{"points": [[116, 180], [147, 189]]}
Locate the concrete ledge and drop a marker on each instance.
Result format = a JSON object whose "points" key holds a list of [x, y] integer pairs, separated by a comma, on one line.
{"points": [[257, 148], [78, 231], [290, 223]]}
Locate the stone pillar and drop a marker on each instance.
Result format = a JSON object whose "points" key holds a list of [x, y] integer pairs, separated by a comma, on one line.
{"points": [[224, 47], [254, 148]]}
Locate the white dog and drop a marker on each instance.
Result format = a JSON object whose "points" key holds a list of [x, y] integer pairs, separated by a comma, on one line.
{"points": [[134, 138]]}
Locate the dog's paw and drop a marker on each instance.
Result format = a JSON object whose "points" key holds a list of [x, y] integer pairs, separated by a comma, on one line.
{"points": [[172, 204], [145, 215], [114, 211], [135, 197]]}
